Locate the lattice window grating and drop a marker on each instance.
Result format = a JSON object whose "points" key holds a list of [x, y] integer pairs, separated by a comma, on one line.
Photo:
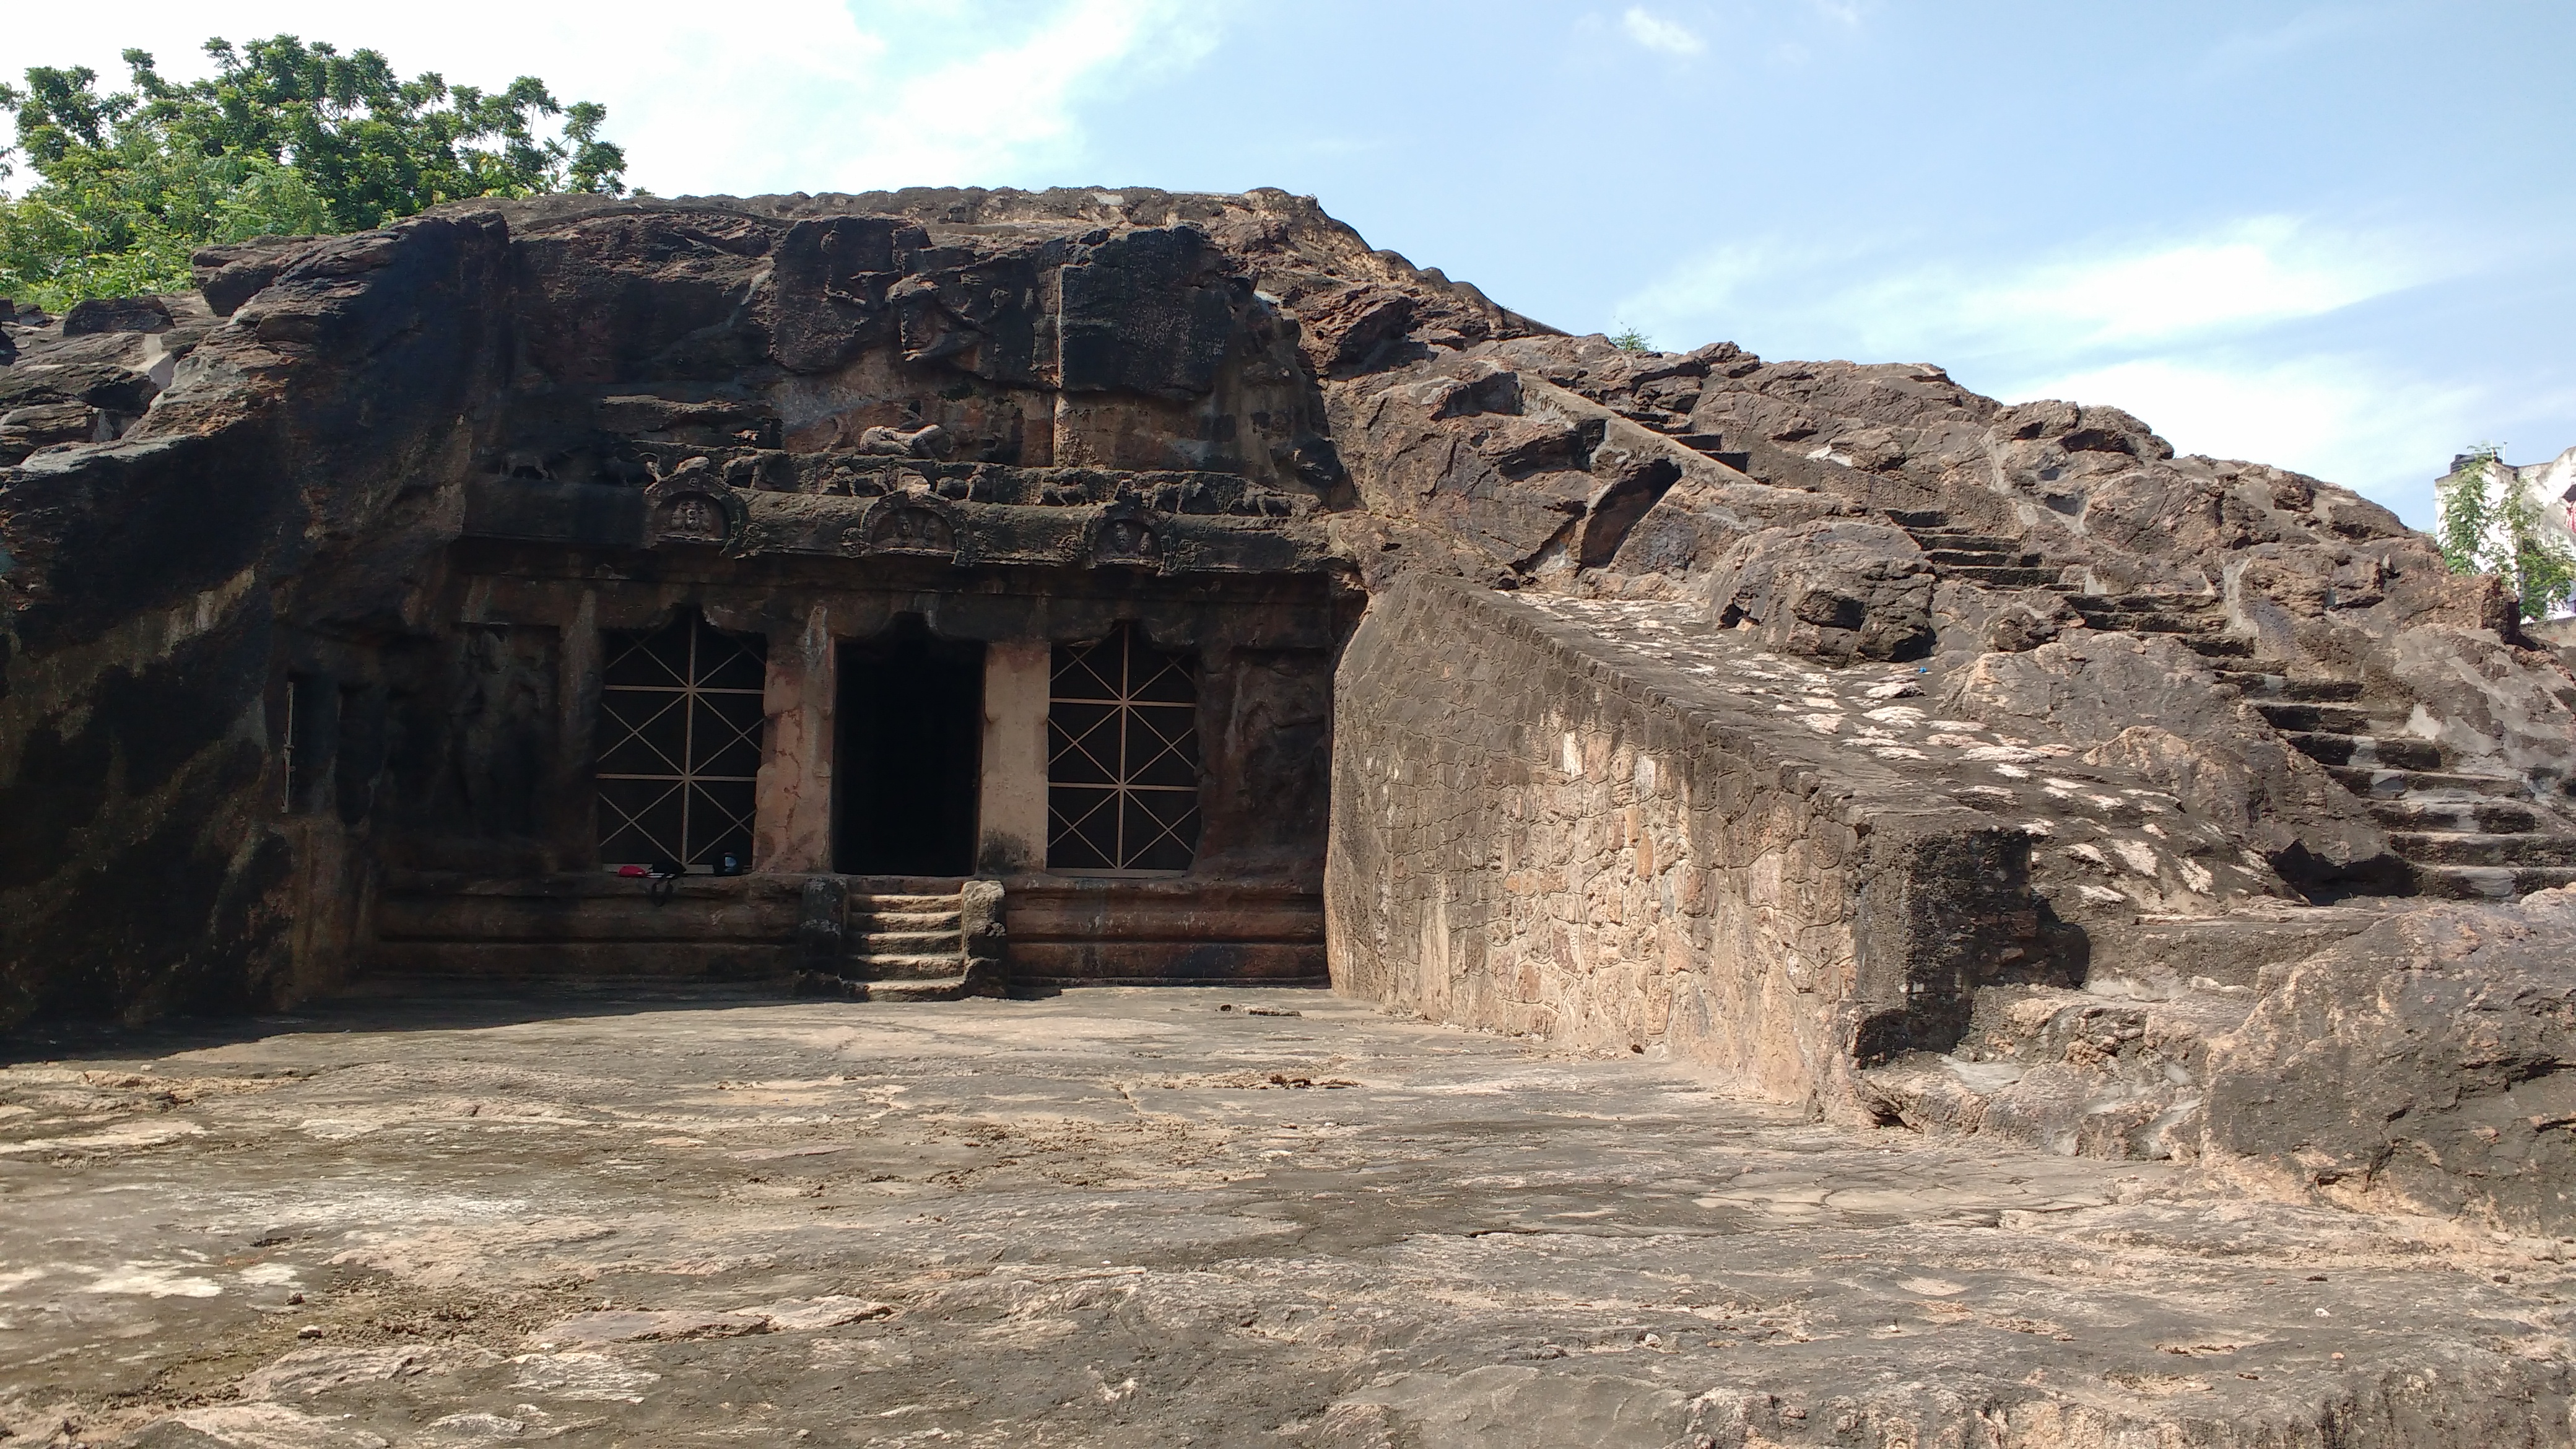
{"points": [[679, 744], [1122, 758]]}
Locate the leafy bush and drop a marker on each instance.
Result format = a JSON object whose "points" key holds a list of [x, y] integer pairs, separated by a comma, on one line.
{"points": [[284, 139]]}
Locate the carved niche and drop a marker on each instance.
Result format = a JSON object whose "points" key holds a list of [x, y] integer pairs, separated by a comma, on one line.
{"points": [[910, 526], [693, 516], [1125, 537]]}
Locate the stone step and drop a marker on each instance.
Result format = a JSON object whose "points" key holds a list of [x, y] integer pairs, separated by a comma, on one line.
{"points": [[2072, 1072], [2164, 952], [1968, 540], [2305, 715], [2097, 604], [2150, 602], [949, 920], [2493, 817], [2003, 578], [2219, 646], [2034, 1036], [2386, 783], [2491, 882], [2427, 847], [1714, 446], [1920, 518], [942, 988], [2341, 749], [905, 966], [2124, 622], [1953, 558], [2258, 684], [949, 902], [924, 988], [898, 943]]}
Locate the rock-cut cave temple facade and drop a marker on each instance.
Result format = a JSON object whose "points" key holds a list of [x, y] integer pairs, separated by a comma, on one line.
{"points": [[986, 590]]}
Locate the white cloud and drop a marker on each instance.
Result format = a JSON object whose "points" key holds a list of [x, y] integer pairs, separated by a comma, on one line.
{"points": [[816, 95], [2346, 419], [2257, 272], [1013, 106], [2251, 274], [1656, 33]]}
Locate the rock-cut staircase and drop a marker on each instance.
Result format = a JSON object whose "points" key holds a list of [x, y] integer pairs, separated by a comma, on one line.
{"points": [[2467, 834], [2197, 621], [1677, 426], [1997, 561], [890, 940], [2464, 834], [1989, 559]]}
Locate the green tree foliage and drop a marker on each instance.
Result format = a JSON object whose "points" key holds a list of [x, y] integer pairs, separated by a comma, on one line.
{"points": [[1629, 339], [2489, 524], [2542, 569], [2464, 514], [284, 138]]}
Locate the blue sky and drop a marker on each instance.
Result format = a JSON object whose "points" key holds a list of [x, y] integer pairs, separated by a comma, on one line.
{"points": [[2334, 237]]}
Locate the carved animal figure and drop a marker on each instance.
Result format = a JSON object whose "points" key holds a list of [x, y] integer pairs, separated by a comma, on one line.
{"points": [[930, 441]]}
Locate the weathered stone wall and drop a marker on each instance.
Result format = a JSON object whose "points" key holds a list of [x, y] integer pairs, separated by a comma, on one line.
{"points": [[1529, 840], [162, 588]]}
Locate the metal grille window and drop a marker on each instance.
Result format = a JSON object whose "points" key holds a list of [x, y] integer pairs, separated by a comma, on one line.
{"points": [[679, 743], [1122, 758]]}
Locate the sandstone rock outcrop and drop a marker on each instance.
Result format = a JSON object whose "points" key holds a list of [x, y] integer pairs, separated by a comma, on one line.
{"points": [[317, 581], [2428, 1063], [1837, 591]]}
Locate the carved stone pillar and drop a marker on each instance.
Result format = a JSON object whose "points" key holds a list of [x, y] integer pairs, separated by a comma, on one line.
{"points": [[1012, 833], [791, 831]]}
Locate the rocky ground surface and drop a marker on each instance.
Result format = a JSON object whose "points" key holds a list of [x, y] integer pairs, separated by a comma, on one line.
{"points": [[1150, 1217]]}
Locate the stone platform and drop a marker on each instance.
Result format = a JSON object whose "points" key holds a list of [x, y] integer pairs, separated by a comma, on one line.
{"points": [[592, 928], [1171, 1216]]}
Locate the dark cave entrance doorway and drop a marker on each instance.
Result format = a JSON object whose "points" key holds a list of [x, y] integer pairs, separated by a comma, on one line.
{"points": [[909, 753]]}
